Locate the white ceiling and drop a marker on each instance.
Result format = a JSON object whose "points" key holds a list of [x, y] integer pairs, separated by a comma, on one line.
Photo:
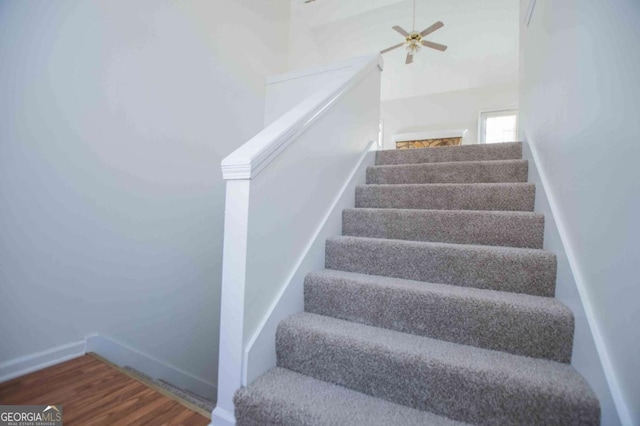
{"points": [[482, 36]]}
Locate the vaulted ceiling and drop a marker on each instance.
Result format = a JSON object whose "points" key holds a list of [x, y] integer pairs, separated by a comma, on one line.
{"points": [[482, 36]]}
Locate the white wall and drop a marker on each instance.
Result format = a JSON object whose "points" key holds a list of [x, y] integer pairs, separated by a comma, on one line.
{"points": [[114, 117], [579, 108], [285, 91], [445, 111]]}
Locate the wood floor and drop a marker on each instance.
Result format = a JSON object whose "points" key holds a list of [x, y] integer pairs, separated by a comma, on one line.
{"points": [[94, 393]]}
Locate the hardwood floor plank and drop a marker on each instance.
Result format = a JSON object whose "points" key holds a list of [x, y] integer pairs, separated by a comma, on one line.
{"points": [[162, 411], [149, 408], [37, 378], [126, 407], [114, 395], [58, 389], [189, 404], [171, 417], [95, 393], [195, 420]]}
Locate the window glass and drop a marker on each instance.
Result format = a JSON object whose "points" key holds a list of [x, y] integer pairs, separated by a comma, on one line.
{"points": [[498, 126]]}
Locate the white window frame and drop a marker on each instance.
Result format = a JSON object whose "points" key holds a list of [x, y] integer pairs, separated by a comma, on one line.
{"points": [[483, 115]]}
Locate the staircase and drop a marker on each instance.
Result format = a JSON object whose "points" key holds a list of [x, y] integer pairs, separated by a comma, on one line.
{"points": [[435, 308]]}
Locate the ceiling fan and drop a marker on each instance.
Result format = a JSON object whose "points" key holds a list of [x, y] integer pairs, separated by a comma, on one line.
{"points": [[414, 40]]}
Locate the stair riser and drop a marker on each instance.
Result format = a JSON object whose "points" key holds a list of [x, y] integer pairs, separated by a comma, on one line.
{"points": [[506, 197], [474, 396], [463, 172], [439, 314], [478, 152], [458, 227], [515, 270]]}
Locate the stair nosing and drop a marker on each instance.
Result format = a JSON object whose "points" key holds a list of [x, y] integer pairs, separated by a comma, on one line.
{"points": [[438, 243], [397, 185], [281, 373], [521, 299], [446, 163], [471, 357], [453, 211]]}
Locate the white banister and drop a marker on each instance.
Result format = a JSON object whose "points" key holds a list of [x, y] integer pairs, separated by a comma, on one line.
{"points": [[286, 188]]}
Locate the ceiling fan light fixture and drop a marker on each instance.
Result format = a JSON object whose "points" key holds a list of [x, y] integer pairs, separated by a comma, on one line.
{"points": [[414, 39]]}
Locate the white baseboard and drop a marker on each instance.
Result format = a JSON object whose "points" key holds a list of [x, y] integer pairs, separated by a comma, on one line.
{"points": [[29, 363], [221, 417], [123, 355]]}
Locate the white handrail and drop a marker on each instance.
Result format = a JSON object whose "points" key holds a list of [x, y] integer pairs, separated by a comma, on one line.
{"points": [[319, 144], [248, 160]]}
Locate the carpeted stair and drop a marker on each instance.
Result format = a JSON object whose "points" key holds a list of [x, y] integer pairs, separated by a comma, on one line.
{"points": [[436, 307]]}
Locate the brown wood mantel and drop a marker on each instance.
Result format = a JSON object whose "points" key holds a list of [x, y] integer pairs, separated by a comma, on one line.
{"points": [[429, 138], [428, 143]]}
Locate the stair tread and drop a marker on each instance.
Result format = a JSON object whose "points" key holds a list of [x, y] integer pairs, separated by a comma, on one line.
{"points": [[520, 270], [543, 374], [476, 247], [448, 163], [506, 213], [285, 397], [459, 381], [450, 172], [482, 227], [549, 305], [453, 185], [475, 152], [518, 196], [517, 323]]}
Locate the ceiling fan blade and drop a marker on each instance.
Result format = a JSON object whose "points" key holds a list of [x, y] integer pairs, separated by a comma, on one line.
{"points": [[391, 48], [432, 28], [409, 59], [399, 29], [437, 46]]}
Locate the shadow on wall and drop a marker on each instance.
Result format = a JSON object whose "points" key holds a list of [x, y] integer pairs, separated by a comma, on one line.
{"points": [[113, 122]]}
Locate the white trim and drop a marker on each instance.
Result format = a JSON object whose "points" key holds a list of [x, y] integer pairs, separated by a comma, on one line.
{"points": [[29, 363], [234, 265], [293, 75], [607, 366], [123, 355], [433, 134], [252, 157], [221, 417], [344, 196]]}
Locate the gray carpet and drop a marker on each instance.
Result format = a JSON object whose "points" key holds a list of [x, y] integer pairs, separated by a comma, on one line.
{"points": [[448, 196], [479, 152], [436, 307], [512, 269], [281, 397], [457, 381], [516, 323], [460, 172], [491, 228]]}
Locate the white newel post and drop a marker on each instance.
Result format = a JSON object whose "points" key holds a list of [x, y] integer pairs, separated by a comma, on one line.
{"points": [[236, 218]]}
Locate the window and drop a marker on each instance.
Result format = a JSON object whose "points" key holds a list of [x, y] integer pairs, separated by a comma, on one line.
{"points": [[498, 126]]}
